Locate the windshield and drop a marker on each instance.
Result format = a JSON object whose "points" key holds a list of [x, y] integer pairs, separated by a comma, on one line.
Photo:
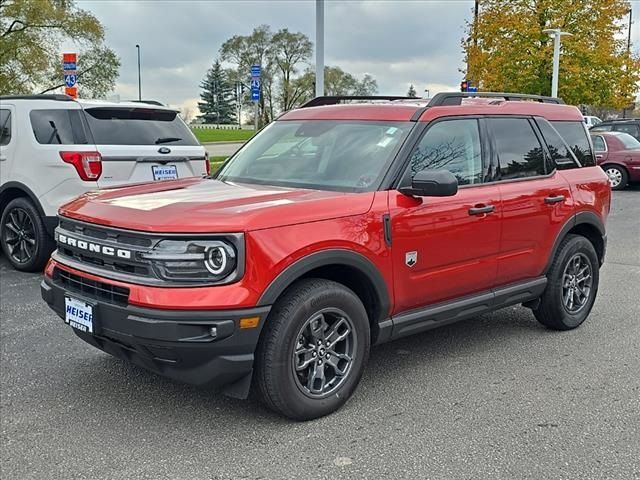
{"points": [[137, 126], [341, 155], [629, 142]]}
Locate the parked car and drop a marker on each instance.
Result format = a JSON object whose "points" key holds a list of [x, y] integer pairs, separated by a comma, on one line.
{"points": [[591, 121], [619, 156], [391, 219], [55, 148], [630, 126]]}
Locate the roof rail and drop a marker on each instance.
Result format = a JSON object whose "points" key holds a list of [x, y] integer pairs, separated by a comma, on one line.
{"points": [[336, 99], [54, 96], [455, 98]]}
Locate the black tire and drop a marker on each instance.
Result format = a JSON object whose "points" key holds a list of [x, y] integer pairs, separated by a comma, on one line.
{"points": [[618, 176], [23, 236], [276, 381], [564, 304]]}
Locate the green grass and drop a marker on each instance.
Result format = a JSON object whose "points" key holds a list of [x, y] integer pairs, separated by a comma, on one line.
{"points": [[207, 135], [216, 162]]}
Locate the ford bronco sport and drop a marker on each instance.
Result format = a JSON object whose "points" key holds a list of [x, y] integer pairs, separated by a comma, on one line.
{"points": [[337, 227]]}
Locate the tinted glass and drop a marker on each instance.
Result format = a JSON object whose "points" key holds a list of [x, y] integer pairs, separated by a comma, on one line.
{"points": [[577, 138], [452, 145], [602, 128], [57, 127], [519, 151], [321, 154], [138, 126], [561, 154], [629, 128], [598, 143], [628, 141], [5, 127]]}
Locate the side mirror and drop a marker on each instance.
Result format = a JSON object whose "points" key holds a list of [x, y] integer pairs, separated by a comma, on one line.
{"points": [[432, 183]]}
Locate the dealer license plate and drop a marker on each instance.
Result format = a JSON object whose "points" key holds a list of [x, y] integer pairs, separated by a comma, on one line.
{"points": [[78, 314], [164, 172]]}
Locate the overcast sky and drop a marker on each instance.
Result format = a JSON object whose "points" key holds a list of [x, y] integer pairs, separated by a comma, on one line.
{"points": [[398, 42]]}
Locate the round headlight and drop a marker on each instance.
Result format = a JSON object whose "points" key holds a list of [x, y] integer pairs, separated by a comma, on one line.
{"points": [[215, 260]]}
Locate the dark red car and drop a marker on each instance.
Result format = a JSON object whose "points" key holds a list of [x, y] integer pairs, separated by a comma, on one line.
{"points": [[337, 227], [618, 154]]}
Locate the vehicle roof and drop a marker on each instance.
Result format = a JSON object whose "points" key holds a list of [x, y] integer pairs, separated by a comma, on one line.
{"points": [[63, 100], [407, 110]]}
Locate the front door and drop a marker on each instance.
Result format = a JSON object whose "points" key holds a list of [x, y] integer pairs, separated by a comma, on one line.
{"points": [[445, 248]]}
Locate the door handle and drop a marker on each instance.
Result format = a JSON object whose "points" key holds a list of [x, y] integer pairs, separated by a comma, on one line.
{"points": [[552, 200], [599, 157], [481, 210]]}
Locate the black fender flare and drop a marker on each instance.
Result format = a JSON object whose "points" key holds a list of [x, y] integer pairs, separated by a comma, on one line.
{"points": [[579, 218], [325, 258]]}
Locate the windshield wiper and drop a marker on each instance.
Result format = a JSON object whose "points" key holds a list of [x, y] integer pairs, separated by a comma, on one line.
{"points": [[167, 140]]}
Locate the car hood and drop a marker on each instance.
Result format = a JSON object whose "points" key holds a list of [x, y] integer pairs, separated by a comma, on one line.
{"points": [[204, 205]]}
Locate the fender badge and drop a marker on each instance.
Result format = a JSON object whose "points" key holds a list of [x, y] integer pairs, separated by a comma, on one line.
{"points": [[411, 258]]}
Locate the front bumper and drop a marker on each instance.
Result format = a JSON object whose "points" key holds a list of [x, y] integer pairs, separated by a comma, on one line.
{"points": [[174, 343]]}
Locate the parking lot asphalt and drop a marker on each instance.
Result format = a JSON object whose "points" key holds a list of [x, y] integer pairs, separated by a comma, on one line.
{"points": [[497, 396]]}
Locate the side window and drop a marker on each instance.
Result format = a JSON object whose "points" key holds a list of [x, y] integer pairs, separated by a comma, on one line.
{"points": [[520, 154], [57, 127], [598, 143], [576, 136], [629, 128], [452, 145], [561, 154], [5, 126]]}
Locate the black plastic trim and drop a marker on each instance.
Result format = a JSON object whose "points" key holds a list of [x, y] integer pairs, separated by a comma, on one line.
{"points": [[336, 99], [579, 218], [326, 258], [415, 321], [455, 98], [386, 222]]}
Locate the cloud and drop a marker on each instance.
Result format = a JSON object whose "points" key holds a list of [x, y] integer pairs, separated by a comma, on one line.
{"points": [[398, 42]]}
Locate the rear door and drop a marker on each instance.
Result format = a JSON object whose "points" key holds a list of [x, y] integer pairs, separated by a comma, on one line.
{"points": [[600, 148], [536, 199], [143, 144], [7, 142]]}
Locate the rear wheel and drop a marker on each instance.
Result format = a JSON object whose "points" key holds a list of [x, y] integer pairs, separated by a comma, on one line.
{"points": [[618, 177], [23, 236], [572, 285], [313, 350]]}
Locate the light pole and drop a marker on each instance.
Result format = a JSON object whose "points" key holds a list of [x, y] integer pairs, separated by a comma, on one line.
{"points": [[319, 48], [139, 80], [556, 33]]}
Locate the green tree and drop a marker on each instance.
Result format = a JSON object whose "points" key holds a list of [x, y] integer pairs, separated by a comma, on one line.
{"points": [[336, 82], [31, 35], [507, 50], [218, 97], [412, 92]]}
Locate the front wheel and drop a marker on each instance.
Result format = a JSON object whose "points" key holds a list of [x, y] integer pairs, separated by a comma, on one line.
{"points": [[313, 350], [572, 285]]}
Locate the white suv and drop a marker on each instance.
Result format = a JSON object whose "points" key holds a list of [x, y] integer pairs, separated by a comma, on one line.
{"points": [[54, 148]]}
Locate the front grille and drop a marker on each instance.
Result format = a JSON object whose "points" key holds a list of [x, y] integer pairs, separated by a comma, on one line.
{"points": [[85, 235], [92, 289]]}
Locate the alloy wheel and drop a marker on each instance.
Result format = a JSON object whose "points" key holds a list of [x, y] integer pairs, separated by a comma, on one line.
{"points": [[576, 283], [323, 353], [19, 235]]}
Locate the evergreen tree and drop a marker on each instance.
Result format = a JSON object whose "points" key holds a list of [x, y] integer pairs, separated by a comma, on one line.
{"points": [[412, 92], [218, 97]]}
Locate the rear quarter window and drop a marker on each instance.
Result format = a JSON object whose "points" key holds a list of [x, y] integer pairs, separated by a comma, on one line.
{"points": [[5, 127], [561, 154], [58, 127], [138, 126], [576, 136]]}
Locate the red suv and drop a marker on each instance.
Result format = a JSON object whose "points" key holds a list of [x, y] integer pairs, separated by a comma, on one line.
{"points": [[337, 227]]}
